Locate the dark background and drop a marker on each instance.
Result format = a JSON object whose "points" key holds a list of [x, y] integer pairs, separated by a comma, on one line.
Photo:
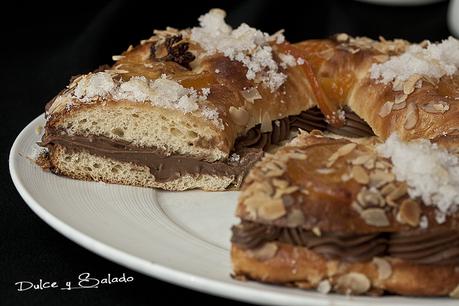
{"points": [[44, 45]]}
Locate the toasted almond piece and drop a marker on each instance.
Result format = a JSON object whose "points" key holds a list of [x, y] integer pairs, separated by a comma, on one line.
{"points": [[325, 170], [324, 286], [280, 192], [409, 85], [266, 251], [455, 293], [388, 189], [368, 198], [316, 231], [266, 123], [342, 151], [362, 159], [382, 164], [384, 268], [280, 183], [272, 209], [399, 106], [353, 283], [251, 94], [379, 178], [400, 98], [295, 218], [375, 217], [435, 107], [360, 175], [239, 115], [355, 205], [297, 155], [397, 85], [370, 164], [411, 116], [385, 109], [409, 213], [342, 37], [117, 57], [396, 194]]}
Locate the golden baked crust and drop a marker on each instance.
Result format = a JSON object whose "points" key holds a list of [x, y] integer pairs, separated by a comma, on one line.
{"points": [[342, 66], [303, 268], [321, 182], [225, 78]]}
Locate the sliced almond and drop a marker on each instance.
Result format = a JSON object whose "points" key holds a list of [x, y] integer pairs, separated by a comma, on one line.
{"points": [[282, 191], [455, 293], [295, 218], [325, 170], [435, 107], [385, 109], [117, 57], [297, 155], [384, 268], [362, 159], [370, 164], [382, 164], [387, 189], [353, 283], [316, 231], [324, 286], [342, 37], [379, 178], [397, 84], [400, 98], [239, 115], [399, 106], [342, 151], [266, 251], [375, 217], [360, 175], [368, 198], [409, 213], [409, 85], [411, 116], [282, 184], [266, 123], [396, 194], [251, 94], [272, 210]]}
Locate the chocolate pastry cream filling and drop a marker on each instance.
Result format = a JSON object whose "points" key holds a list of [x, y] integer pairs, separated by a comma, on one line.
{"points": [[426, 247], [166, 167], [162, 166]]}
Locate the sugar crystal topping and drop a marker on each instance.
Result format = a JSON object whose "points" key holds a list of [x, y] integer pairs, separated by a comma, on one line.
{"points": [[433, 61], [245, 44], [162, 92], [431, 172]]}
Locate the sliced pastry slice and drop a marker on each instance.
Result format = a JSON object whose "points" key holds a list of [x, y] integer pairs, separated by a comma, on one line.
{"points": [[352, 217], [169, 112]]}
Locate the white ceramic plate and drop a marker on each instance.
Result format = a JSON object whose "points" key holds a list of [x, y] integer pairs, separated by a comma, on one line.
{"points": [[179, 237]]}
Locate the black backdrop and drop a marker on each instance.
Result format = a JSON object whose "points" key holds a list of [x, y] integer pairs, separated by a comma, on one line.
{"points": [[43, 45]]}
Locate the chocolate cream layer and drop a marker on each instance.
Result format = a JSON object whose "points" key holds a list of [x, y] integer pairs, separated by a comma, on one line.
{"points": [[249, 148], [423, 247], [162, 166], [309, 120]]}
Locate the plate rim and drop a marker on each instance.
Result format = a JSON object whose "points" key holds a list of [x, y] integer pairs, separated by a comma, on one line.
{"points": [[156, 270]]}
